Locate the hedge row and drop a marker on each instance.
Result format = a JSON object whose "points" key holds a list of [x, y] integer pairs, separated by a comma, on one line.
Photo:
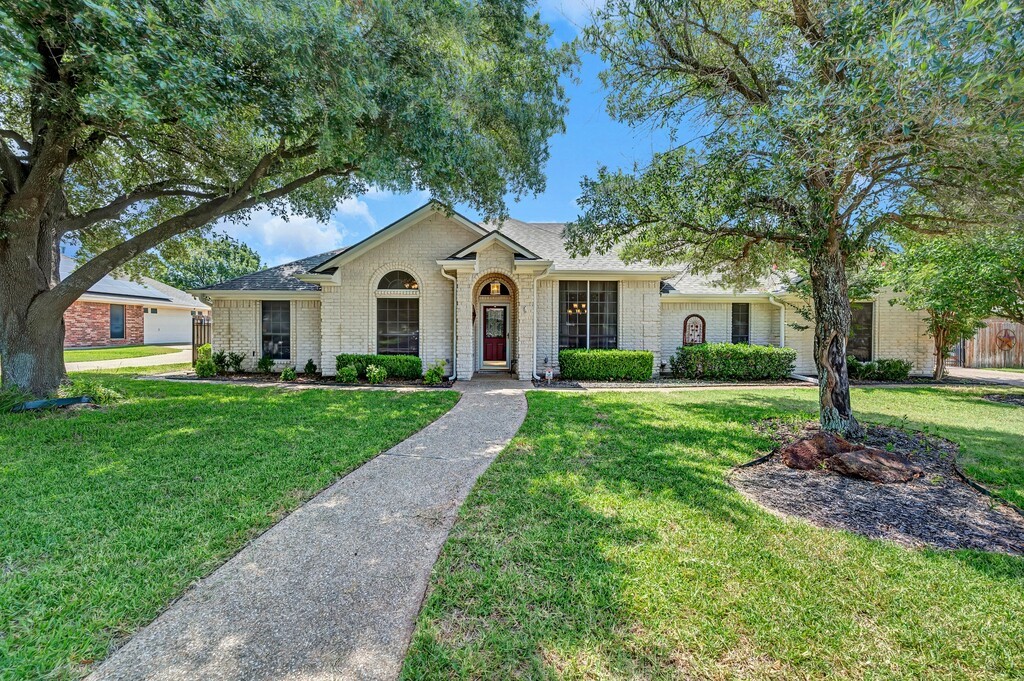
{"points": [[890, 370], [606, 365], [733, 362], [397, 366]]}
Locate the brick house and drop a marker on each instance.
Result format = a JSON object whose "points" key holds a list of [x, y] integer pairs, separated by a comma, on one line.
{"points": [[125, 312], [506, 298]]}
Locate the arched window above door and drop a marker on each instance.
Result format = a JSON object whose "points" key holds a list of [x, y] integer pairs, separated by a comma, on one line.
{"points": [[494, 287]]}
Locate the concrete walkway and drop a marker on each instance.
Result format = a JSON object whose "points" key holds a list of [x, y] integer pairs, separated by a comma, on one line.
{"points": [[182, 356], [1012, 378], [333, 590]]}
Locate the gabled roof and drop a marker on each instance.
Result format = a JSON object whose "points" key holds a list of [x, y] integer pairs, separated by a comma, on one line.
{"points": [[491, 237], [688, 284], [280, 278], [144, 290], [394, 229]]}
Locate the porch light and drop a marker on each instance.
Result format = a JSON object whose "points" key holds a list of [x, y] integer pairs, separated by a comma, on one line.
{"points": [[495, 288]]}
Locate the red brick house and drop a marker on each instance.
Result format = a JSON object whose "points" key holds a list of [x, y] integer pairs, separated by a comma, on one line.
{"points": [[124, 312]]}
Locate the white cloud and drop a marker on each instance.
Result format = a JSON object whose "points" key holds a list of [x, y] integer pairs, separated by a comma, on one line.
{"points": [[279, 240], [576, 12], [356, 208]]}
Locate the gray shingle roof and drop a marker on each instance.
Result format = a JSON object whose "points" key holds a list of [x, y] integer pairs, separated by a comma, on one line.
{"points": [[545, 239], [110, 286], [280, 278], [710, 284]]}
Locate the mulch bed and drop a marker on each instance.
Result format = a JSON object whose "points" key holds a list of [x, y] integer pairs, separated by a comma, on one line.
{"points": [[1013, 398], [661, 383], [939, 509], [315, 379]]}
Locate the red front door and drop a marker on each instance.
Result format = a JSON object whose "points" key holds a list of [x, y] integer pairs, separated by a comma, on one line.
{"points": [[495, 332]]}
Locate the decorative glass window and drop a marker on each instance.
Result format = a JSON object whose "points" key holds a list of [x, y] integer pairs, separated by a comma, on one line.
{"points": [[588, 314], [398, 326], [276, 329], [861, 326], [494, 288], [741, 323], [117, 321], [694, 332], [397, 280]]}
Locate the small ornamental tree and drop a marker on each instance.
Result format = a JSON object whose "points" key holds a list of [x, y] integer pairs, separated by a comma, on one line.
{"points": [[202, 260], [823, 126], [127, 123], [939, 277]]}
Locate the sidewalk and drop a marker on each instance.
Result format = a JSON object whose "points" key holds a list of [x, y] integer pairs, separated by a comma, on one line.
{"points": [[183, 356], [1012, 378]]}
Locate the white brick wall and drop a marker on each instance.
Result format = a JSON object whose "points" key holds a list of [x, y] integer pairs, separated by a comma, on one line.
{"points": [[236, 328], [898, 333]]}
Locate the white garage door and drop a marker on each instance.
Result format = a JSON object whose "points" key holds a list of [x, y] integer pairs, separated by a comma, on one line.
{"points": [[167, 325]]}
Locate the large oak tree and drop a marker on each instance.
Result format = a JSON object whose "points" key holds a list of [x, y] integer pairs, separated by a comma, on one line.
{"points": [[822, 127], [126, 123]]}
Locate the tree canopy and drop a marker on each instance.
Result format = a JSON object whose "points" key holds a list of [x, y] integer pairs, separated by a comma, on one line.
{"points": [[202, 261], [124, 123], [824, 127]]}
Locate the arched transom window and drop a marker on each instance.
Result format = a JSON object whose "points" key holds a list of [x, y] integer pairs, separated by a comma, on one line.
{"points": [[397, 280], [494, 287]]}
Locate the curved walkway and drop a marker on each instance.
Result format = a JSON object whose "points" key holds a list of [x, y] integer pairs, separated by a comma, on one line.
{"points": [[333, 590]]}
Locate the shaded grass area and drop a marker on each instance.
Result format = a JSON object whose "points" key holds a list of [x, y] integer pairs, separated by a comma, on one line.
{"points": [[121, 352], [107, 515], [605, 542]]}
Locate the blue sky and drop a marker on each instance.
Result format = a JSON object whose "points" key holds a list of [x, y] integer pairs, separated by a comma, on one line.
{"points": [[591, 139]]}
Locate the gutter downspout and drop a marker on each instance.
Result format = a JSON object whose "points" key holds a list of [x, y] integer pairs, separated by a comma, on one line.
{"points": [[535, 280], [455, 319], [782, 320]]}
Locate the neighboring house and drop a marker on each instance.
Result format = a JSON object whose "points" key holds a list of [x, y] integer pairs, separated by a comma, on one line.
{"points": [[507, 298], [125, 312]]}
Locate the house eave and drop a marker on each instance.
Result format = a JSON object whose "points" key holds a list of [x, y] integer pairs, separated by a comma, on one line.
{"points": [[255, 294], [724, 297]]}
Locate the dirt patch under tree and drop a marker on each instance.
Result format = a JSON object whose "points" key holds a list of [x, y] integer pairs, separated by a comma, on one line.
{"points": [[936, 508]]}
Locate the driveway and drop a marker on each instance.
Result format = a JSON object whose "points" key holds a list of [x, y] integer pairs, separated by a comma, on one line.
{"points": [[334, 589], [183, 356], [989, 376]]}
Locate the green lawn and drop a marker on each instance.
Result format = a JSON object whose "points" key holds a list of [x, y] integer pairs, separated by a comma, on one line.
{"points": [[122, 352], [106, 516], [1015, 370], [605, 543]]}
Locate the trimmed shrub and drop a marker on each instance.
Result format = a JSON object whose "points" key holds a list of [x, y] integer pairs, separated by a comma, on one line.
{"points": [[888, 370], [606, 365], [220, 361], [205, 368], [204, 352], [235, 360], [397, 366], [347, 374], [265, 365], [288, 374], [733, 362], [376, 374], [310, 367], [435, 374]]}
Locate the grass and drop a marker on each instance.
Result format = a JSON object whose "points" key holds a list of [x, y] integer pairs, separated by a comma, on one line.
{"points": [[605, 543], [108, 515], [120, 352], [1016, 370]]}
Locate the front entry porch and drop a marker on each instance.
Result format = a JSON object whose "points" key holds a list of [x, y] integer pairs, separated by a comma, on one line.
{"points": [[495, 330]]}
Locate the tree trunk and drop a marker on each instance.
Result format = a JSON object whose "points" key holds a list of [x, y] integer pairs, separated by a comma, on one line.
{"points": [[31, 325], [831, 329], [940, 353]]}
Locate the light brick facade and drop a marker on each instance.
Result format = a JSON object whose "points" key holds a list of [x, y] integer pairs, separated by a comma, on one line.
{"points": [[341, 317], [87, 325]]}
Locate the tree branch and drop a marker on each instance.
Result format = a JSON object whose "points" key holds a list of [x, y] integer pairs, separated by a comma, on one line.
{"points": [[120, 204], [88, 274], [17, 138]]}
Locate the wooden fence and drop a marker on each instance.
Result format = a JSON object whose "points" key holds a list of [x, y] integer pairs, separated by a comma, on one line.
{"points": [[999, 344], [202, 333]]}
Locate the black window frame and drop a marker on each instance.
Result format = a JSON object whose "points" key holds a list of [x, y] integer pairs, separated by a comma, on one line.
{"points": [[398, 325], [588, 314], [861, 341], [276, 329], [741, 323], [124, 322]]}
